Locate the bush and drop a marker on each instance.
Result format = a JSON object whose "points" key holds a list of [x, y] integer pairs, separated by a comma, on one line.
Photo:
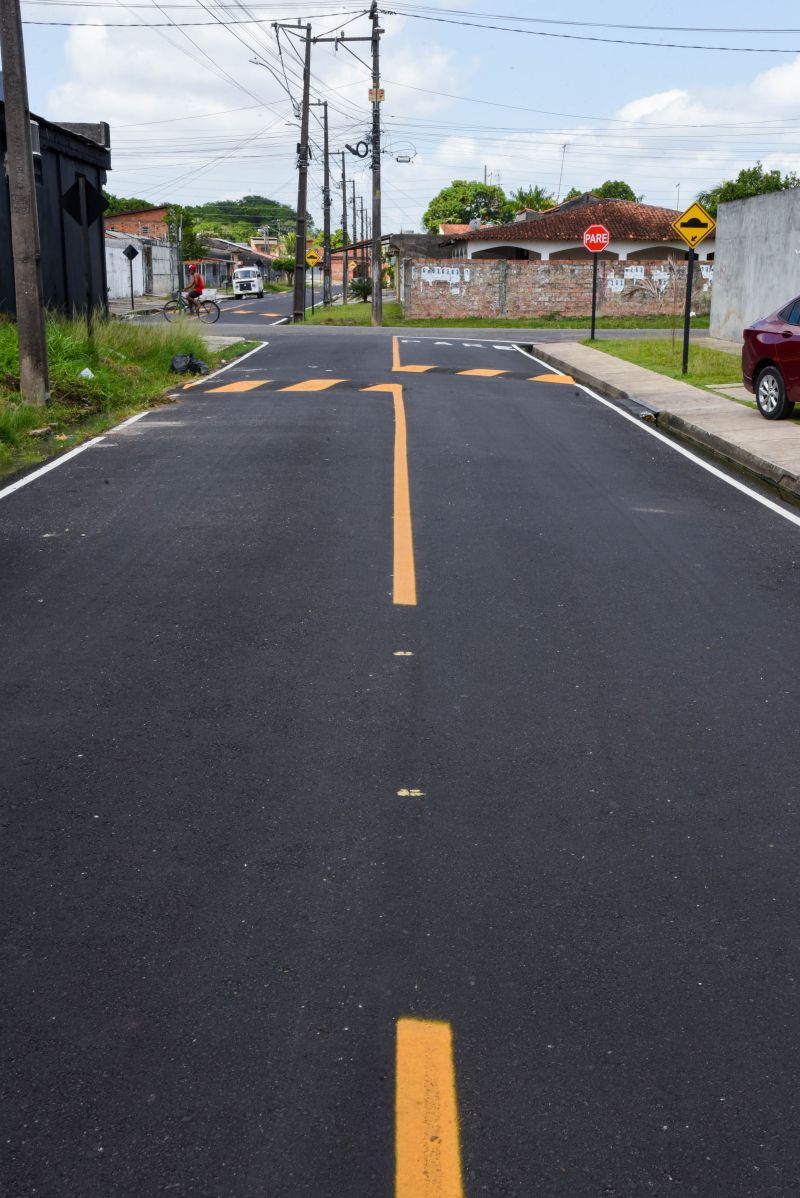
{"points": [[361, 289]]}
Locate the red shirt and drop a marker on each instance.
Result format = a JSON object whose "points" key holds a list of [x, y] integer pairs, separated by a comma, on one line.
{"points": [[197, 282]]}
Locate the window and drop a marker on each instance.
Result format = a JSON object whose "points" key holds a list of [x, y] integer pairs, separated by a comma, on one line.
{"points": [[791, 314]]}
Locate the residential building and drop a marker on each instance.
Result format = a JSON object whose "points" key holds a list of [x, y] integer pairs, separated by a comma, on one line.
{"points": [[142, 222]]}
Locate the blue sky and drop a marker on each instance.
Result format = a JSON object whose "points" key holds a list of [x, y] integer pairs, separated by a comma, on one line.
{"points": [[658, 117]]}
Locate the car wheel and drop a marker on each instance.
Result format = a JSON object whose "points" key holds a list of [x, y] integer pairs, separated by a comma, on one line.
{"points": [[771, 395]]}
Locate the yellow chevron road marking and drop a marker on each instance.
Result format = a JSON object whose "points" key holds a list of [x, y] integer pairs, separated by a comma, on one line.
{"points": [[551, 378], [427, 1142], [313, 385], [481, 373], [398, 369], [240, 385]]}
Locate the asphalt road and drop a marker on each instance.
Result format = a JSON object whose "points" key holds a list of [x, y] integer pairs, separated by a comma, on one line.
{"points": [[393, 815]]}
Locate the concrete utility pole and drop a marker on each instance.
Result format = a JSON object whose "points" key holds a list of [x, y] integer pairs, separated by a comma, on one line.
{"points": [[299, 303], [377, 273], [345, 263], [326, 214], [353, 211], [33, 373]]}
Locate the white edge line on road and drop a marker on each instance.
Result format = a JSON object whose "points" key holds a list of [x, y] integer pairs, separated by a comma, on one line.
{"points": [[206, 377], [65, 457], [686, 453], [283, 320]]}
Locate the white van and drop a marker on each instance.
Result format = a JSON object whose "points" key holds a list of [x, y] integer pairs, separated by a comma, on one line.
{"points": [[247, 280]]}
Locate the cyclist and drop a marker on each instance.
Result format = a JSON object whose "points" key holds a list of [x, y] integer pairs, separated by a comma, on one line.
{"points": [[195, 287]]}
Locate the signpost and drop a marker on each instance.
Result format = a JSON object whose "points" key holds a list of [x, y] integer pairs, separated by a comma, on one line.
{"points": [[312, 258], [595, 240], [692, 226], [130, 253]]}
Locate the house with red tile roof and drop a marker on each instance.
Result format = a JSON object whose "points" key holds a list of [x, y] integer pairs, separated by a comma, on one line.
{"points": [[638, 232]]}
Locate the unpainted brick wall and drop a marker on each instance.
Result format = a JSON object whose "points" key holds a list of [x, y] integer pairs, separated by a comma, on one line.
{"points": [[516, 290]]}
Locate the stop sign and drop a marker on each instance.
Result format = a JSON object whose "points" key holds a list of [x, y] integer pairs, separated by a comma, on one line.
{"points": [[596, 238]]}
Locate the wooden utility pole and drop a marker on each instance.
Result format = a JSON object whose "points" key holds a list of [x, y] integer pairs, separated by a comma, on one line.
{"points": [[377, 273], [33, 374], [326, 213], [353, 211], [345, 263]]}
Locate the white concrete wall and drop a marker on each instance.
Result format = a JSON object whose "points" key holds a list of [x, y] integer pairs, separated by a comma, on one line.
{"points": [[164, 276], [757, 260], [118, 270], [621, 249]]}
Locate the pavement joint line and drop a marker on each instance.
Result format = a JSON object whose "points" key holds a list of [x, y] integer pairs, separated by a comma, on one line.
{"points": [[206, 378], [427, 1137], [404, 578], [686, 453]]}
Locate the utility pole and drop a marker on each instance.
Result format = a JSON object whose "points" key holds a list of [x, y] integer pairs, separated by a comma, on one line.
{"points": [[326, 214], [34, 382], [377, 273], [345, 263], [299, 308], [353, 211]]}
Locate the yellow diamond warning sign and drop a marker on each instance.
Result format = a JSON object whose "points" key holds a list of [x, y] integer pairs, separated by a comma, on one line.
{"points": [[312, 257], [694, 225]]}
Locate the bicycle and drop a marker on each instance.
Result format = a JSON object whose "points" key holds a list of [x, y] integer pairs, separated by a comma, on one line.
{"points": [[205, 310]]}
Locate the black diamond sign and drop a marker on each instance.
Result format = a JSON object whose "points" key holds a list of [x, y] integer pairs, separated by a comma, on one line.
{"points": [[131, 252], [96, 204]]}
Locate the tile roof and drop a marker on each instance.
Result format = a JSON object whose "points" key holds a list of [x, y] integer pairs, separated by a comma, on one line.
{"points": [[451, 229], [624, 219]]}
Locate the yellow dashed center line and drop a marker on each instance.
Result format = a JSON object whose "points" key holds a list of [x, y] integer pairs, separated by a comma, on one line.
{"points": [[427, 1145], [313, 385], [240, 385], [551, 378], [404, 590]]}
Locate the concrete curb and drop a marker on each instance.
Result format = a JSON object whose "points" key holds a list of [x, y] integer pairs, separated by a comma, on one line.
{"points": [[693, 434]]}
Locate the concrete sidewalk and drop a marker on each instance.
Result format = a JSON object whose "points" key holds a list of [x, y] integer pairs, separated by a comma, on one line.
{"points": [[769, 450]]}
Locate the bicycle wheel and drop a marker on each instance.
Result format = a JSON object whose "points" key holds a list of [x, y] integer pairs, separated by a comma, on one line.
{"points": [[171, 309], [208, 311]]}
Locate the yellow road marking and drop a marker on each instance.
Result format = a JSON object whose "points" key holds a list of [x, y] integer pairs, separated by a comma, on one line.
{"points": [[551, 378], [405, 793], [403, 653], [398, 369], [404, 591], [428, 1152], [270, 313], [240, 385], [482, 373], [314, 385]]}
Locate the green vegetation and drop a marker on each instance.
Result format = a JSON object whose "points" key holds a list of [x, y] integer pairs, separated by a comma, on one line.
{"points": [[119, 204], [753, 181], [359, 314], [615, 189], [462, 202], [130, 364], [706, 366]]}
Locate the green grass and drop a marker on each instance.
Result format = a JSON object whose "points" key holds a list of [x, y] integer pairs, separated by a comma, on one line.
{"points": [[359, 314], [706, 366], [130, 364]]}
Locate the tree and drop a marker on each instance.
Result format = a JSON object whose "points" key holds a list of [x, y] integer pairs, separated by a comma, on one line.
{"points": [[572, 194], [535, 198], [180, 220], [119, 204], [615, 189], [752, 181], [462, 202], [337, 239]]}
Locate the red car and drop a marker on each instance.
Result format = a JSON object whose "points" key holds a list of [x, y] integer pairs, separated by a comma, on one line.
{"points": [[771, 361]]}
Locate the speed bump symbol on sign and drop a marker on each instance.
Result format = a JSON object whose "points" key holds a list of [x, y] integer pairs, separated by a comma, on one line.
{"points": [[312, 258], [694, 225]]}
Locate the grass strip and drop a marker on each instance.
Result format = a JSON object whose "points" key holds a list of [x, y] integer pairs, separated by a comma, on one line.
{"points": [[706, 366], [360, 314], [130, 365]]}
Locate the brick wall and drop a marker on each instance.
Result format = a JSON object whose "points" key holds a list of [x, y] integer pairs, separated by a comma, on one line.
{"points": [[149, 223], [495, 287]]}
